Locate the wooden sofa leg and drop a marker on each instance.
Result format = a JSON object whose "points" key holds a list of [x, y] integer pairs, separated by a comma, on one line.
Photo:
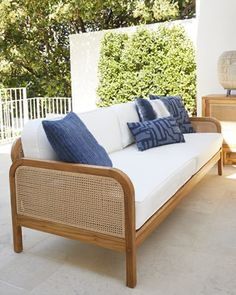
{"points": [[17, 238], [131, 273], [220, 165]]}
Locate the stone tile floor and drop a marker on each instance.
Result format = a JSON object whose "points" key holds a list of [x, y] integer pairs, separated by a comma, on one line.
{"points": [[192, 253]]}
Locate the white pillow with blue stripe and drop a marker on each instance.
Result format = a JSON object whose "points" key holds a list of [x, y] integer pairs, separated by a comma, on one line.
{"points": [[176, 108]]}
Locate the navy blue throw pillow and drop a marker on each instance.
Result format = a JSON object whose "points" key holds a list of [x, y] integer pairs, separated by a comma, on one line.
{"points": [[145, 110], [155, 133], [176, 108], [74, 143]]}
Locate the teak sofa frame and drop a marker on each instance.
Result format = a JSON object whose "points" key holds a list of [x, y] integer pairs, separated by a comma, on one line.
{"points": [[89, 203]]}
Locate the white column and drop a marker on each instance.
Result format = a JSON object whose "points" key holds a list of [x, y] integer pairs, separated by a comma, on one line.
{"points": [[216, 33]]}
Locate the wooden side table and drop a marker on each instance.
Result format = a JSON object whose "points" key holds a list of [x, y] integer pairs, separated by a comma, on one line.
{"points": [[223, 108]]}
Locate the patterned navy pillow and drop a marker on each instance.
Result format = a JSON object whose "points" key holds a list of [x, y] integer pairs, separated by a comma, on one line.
{"points": [[157, 132], [145, 110], [176, 108], [73, 142]]}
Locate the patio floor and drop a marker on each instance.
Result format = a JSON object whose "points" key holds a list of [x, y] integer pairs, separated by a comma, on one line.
{"points": [[193, 252]]}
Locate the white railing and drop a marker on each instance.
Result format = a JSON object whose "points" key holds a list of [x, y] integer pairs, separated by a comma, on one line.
{"points": [[16, 109], [44, 107], [13, 113]]}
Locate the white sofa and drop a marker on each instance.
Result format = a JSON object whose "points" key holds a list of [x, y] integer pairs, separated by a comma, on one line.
{"points": [[157, 176]]}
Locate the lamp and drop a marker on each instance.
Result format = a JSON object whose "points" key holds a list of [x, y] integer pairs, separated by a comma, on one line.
{"points": [[227, 70]]}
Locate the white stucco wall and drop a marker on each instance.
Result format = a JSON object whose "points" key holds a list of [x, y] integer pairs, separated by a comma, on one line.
{"points": [[84, 54], [215, 34]]}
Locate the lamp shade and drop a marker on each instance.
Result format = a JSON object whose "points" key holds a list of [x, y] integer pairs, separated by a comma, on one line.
{"points": [[227, 70]]}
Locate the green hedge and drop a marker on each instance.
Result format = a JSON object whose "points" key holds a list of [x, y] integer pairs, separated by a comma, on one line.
{"points": [[147, 62]]}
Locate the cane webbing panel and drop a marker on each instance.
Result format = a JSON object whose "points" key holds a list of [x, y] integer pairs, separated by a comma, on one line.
{"points": [[204, 126], [85, 201], [223, 112]]}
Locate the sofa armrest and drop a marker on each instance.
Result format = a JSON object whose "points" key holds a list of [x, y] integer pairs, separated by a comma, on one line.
{"points": [[91, 198], [17, 150], [206, 124]]}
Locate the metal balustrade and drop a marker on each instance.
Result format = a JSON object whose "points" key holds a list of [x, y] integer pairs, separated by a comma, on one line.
{"points": [[44, 107], [16, 109]]}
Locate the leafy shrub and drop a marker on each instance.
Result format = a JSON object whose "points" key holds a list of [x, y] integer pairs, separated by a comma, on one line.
{"points": [[147, 62]]}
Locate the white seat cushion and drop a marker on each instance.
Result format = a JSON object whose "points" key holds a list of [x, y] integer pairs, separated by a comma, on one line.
{"points": [[156, 175], [159, 172], [203, 146]]}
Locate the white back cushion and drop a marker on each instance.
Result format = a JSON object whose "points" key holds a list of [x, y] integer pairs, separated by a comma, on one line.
{"points": [[104, 126], [126, 112], [102, 123], [35, 143], [108, 125]]}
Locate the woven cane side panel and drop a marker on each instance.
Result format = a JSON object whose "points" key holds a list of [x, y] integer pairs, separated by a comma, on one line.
{"points": [[223, 112], [85, 201], [204, 126]]}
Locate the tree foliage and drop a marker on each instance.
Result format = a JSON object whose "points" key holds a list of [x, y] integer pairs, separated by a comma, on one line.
{"points": [[34, 36], [158, 62], [162, 10]]}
